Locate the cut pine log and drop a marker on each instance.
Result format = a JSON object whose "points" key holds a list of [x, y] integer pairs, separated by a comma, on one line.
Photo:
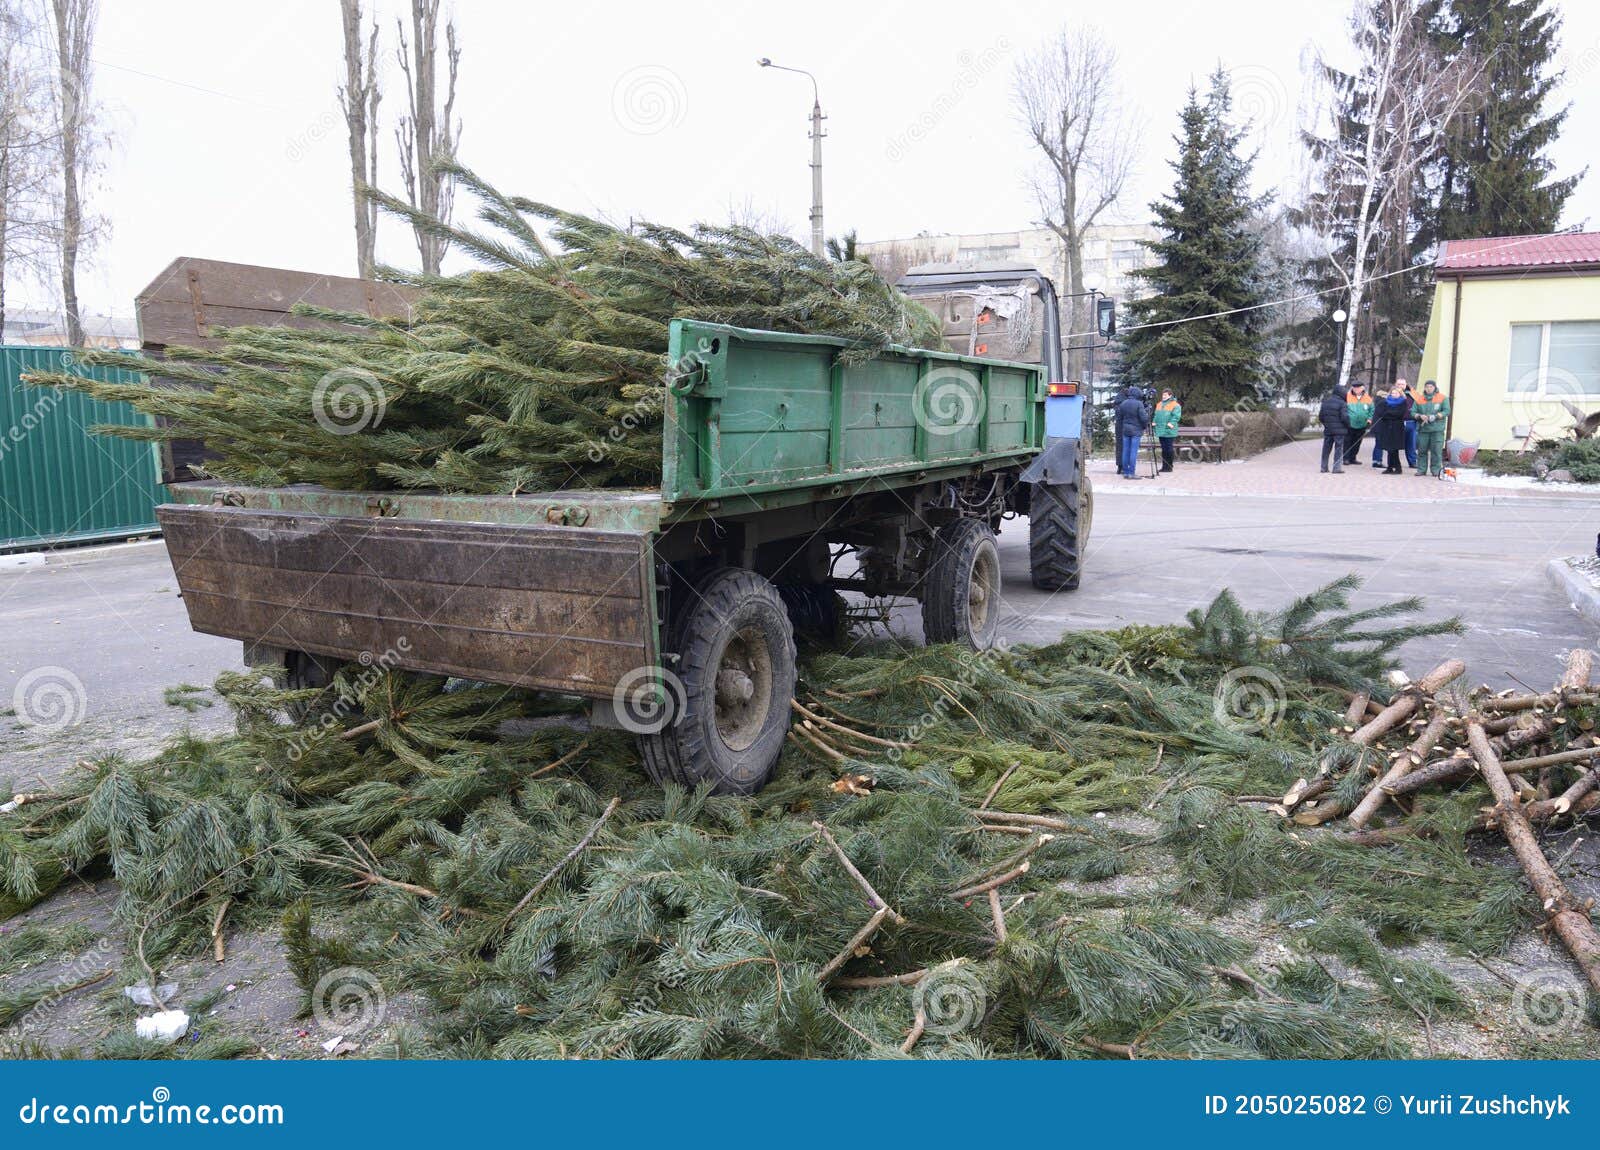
{"points": [[1410, 759], [1569, 919], [1577, 799], [1407, 701]]}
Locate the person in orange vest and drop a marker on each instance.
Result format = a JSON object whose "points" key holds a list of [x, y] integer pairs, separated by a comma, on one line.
{"points": [[1359, 404], [1165, 421], [1432, 412]]}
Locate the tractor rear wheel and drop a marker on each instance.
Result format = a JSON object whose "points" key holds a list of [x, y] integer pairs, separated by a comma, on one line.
{"points": [[1059, 518]]}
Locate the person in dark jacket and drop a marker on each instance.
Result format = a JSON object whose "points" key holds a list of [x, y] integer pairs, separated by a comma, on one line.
{"points": [[1132, 418], [1334, 416], [1389, 423]]}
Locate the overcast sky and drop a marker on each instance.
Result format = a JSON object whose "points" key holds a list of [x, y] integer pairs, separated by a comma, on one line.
{"points": [[229, 143]]}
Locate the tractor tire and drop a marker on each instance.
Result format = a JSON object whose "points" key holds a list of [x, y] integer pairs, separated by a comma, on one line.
{"points": [[961, 590], [1059, 518], [730, 688]]}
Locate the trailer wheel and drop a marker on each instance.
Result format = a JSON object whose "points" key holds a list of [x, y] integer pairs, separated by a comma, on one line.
{"points": [[961, 591], [1059, 517], [735, 676], [304, 670]]}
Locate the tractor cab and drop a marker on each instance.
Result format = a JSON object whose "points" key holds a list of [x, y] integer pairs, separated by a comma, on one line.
{"points": [[1007, 311], [1011, 311]]}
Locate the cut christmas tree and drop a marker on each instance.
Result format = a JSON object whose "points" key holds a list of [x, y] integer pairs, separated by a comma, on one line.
{"points": [[506, 378]]}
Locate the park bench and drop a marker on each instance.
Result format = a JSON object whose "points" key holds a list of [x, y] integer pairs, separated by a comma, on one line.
{"points": [[1195, 444]]}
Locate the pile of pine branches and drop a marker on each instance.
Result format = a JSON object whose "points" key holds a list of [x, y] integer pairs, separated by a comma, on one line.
{"points": [[543, 370], [926, 875]]}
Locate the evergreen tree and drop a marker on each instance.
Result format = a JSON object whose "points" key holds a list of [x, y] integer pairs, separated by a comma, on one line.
{"points": [[1495, 176], [1209, 262]]}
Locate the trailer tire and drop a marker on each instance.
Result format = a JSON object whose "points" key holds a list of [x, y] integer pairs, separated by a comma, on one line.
{"points": [[735, 676], [1059, 517], [304, 670], [961, 589]]}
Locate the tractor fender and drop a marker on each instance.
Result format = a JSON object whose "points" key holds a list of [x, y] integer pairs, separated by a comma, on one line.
{"points": [[1056, 464]]}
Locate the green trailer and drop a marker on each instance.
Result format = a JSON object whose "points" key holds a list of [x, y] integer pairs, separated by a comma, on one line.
{"points": [[791, 470]]}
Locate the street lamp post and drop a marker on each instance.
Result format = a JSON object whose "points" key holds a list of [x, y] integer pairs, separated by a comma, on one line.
{"points": [[1091, 283], [1339, 316], [818, 245]]}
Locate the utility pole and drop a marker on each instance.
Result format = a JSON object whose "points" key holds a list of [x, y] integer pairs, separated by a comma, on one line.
{"points": [[818, 243]]}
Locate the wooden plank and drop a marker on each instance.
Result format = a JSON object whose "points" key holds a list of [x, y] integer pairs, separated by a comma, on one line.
{"points": [[191, 295], [166, 324], [557, 608]]}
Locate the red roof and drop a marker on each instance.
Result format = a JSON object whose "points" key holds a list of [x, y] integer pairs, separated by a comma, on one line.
{"points": [[1520, 251]]}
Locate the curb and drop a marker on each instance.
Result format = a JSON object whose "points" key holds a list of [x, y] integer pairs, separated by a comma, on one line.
{"points": [[1487, 499], [1181, 494], [1583, 595], [17, 560]]}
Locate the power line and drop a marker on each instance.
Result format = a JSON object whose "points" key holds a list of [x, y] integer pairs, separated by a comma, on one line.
{"points": [[1297, 298]]}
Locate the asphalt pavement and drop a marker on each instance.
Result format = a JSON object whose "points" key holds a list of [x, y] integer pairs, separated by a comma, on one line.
{"points": [[102, 631]]}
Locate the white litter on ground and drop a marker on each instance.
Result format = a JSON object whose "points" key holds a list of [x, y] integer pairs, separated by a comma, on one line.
{"points": [[163, 1026]]}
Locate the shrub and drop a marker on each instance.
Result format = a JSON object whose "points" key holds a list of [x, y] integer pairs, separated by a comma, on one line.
{"points": [[1581, 457], [1506, 462], [1291, 420], [1247, 433]]}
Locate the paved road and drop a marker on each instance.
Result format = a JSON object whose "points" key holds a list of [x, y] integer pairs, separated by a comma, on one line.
{"points": [[1152, 557], [110, 617]]}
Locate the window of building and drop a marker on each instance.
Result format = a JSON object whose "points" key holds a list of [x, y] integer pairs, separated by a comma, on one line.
{"points": [[990, 254], [1554, 359]]}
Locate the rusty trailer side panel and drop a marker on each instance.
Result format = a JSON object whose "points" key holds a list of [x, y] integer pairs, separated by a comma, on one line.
{"points": [[548, 607]]}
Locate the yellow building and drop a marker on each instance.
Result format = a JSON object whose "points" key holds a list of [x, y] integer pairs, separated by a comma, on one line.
{"points": [[1515, 330]]}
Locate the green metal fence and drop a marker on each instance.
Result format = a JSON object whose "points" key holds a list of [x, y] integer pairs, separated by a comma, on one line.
{"points": [[58, 482]]}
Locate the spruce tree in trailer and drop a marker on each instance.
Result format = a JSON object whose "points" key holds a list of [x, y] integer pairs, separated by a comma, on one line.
{"points": [[1209, 258], [1495, 176]]}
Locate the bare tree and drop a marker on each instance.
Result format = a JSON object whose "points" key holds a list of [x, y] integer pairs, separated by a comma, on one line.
{"points": [[766, 220], [428, 132], [358, 97], [25, 141], [900, 256], [1067, 97], [1389, 122], [74, 34]]}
